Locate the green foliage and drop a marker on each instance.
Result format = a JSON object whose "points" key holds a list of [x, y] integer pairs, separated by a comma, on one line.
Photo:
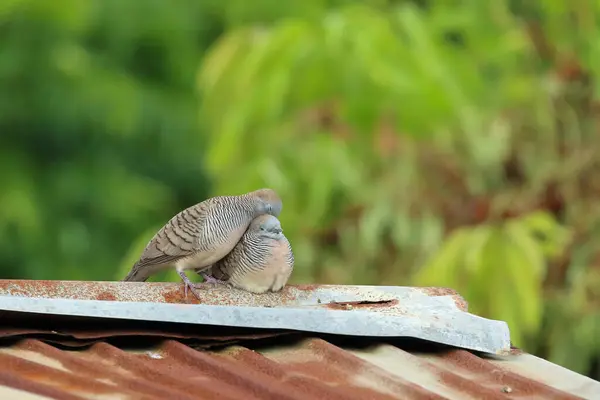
{"points": [[371, 72], [501, 267], [99, 130]]}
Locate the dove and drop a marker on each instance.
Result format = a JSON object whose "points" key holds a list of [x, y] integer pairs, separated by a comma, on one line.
{"points": [[262, 260], [202, 234]]}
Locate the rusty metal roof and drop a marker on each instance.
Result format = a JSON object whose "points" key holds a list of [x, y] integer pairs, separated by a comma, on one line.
{"points": [[78, 357]]}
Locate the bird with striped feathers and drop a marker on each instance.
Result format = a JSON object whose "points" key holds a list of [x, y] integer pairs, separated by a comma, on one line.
{"points": [[201, 235]]}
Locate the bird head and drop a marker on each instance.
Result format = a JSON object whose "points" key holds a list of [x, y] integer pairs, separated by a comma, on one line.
{"points": [[269, 201], [267, 225]]}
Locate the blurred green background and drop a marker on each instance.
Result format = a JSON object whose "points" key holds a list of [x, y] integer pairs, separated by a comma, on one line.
{"points": [[447, 143]]}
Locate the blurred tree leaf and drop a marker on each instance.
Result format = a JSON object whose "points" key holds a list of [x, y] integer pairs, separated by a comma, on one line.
{"points": [[99, 135], [445, 265]]}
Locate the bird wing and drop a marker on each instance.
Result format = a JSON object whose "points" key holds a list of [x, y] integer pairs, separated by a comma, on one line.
{"points": [[290, 254], [179, 238]]}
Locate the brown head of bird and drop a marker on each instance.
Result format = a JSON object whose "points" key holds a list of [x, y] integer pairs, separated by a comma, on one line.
{"points": [[267, 201]]}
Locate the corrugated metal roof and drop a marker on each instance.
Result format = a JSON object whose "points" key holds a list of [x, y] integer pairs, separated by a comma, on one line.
{"points": [[65, 357], [309, 368]]}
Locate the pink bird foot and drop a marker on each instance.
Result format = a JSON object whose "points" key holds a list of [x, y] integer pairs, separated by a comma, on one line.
{"points": [[188, 284], [211, 279]]}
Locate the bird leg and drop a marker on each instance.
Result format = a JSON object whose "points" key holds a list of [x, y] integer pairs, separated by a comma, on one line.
{"points": [[210, 279], [188, 284]]}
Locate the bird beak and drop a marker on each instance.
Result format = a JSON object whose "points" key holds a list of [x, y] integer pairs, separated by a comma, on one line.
{"points": [[277, 230]]}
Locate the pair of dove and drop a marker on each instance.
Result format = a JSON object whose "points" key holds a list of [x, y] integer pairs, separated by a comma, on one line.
{"points": [[227, 239]]}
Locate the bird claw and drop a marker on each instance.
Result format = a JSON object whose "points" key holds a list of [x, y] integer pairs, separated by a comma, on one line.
{"points": [[211, 279], [188, 284]]}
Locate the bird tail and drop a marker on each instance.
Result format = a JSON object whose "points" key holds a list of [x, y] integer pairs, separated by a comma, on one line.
{"points": [[137, 274]]}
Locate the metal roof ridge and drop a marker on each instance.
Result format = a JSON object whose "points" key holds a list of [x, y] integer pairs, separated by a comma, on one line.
{"points": [[340, 310]]}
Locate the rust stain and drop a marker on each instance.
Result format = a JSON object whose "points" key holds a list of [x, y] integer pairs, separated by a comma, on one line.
{"points": [[350, 305], [17, 382], [170, 292], [515, 351], [306, 287], [334, 357], [460, 302], [439, 291], [173, 292], [177, 296], [321, 370], [288, 294], [53, 377], [106, 296], [495, 377], [172, 296]]}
